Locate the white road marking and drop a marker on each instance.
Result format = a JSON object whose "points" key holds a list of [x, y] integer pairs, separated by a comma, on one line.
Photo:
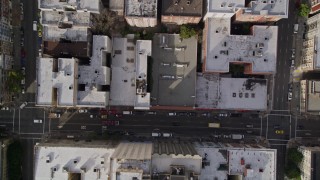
{"points": [[19, 121], [44, 121]]}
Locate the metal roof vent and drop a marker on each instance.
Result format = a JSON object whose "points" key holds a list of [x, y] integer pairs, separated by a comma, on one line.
{"points": [[188, 2], [176, 2]]}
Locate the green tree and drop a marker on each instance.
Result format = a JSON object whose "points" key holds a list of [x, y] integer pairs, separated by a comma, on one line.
{"points": [[13, 81], [295, 156], [304, 10], [187, 32], [292, 171]]}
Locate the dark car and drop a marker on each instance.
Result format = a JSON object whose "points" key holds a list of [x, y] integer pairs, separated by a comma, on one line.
{"points": [[192, 114], [182, 113], [300, 127], [277, 126], [175, 123]]}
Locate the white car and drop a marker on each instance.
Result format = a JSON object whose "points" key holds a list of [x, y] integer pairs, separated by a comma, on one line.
{"points": [[223, 115], [82, 111], [37, 121], [289, 96]]}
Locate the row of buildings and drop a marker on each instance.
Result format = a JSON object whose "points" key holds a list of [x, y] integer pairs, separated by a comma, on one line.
{"points": [[82, 70], [157, 160], [6, 47]]}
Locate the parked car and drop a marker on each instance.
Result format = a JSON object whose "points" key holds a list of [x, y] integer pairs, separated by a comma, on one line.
{"points": [[172, 114], [182, 114], [249, 126], [23, 90], [293, 53], [206, 114], [82, 110], [23, 71], [111, 123], [192, 114], [289, 96], [151, 113], [223, 115], [37, 121], [277, 126]]}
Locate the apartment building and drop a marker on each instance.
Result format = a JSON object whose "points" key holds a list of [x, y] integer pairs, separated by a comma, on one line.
{"points": [[311, 45], [315, 6], [182, 11], [141, 13], [6, 47], [310, 96], [70, 82], [62, 159], [249, 10], [310, 169], [129, 72]]}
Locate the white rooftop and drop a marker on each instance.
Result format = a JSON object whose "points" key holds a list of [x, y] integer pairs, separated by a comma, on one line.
{"points": [[76, 34], [50, 162], [63, 80], [71, 17], [262, 162], [79, 5], [257, 163], [259, 49], [231, 93], [142, 8], [143, 50], [129, 73], [96, 75], [162, 163], [255, 7], [123, 89]]}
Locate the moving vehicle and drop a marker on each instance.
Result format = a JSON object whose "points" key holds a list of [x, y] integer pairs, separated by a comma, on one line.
{"points": [[167, 134], [249, 126], [127, 112], [237, 136], [280, 131], [214, 125], [23, 105], [35, 25], [295, 28], [37, 121]]}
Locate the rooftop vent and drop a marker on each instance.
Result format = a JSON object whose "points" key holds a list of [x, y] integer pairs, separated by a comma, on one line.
{"points": [[48, 159], [223, 4], [83, 169], [65, 169], [75, 161], [176, 2], [54, 169], [188, 2]]}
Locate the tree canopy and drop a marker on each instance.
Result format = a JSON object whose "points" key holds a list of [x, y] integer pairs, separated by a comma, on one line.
{"points": [[304, 10], [187, 32]]}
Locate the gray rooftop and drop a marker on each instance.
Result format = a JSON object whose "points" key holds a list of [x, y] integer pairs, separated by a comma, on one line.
{"points": [[141, 8], [82, 5], [67, 17], [174, 70], [182, 7], [313, 95]]}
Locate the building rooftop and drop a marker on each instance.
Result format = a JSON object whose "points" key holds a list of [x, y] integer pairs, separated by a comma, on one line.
{"points": [[313, 95], [133, 151], [141, 8], [75, 34], [78, 5], [254, 7], [94, 78], [129, 72], [214, 92], [69, 18], [258, 50], [174, 70], [56, 78], [182, 7], [75, 49], [116, 5], [61, 162], [246, 163]]}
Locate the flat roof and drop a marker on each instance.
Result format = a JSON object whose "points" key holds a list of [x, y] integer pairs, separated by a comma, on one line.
{"points": [[133, 151], [141, 8], [63, 80], [79, 5], [254, 7], [75, 34], [313, 95], [222, 161], [182, 8], [71, 17], [75, 49], [143, 50], [123, 88], [173, 70], [95, 77], [253, 163], [214, 92], [116, 5], [51, 161], [259, 49]]}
